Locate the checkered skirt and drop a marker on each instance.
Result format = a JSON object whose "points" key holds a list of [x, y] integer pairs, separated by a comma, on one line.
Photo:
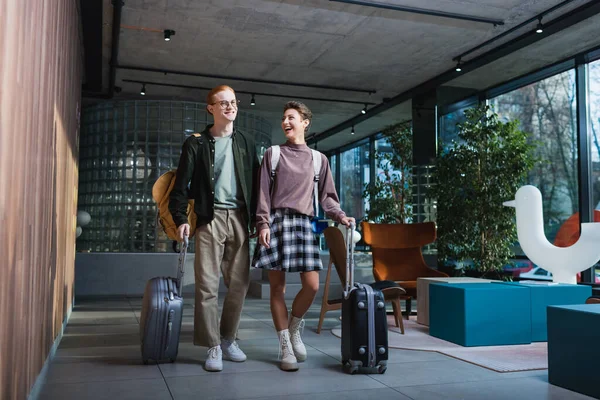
{"points": [[293, 247]]}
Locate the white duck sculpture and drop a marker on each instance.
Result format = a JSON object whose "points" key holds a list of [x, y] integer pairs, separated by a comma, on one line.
{"points": [[563, 262]]}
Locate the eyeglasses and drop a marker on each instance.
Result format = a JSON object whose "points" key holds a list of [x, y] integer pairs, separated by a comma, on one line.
{"points": [[225, 103]]}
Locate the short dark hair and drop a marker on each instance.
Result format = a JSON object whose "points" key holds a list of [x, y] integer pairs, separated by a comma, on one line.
{"points": [[302, 109]]}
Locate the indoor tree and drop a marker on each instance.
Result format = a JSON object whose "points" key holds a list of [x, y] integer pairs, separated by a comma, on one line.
{"points": [[474, 175]]}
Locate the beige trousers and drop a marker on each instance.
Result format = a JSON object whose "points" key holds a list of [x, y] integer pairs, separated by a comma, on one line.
{"points": [[221, 247]]}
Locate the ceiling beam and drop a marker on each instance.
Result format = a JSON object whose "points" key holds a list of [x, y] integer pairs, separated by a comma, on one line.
{"points": [[235, 78], [563, 22], [246, 92], [422, 11]]}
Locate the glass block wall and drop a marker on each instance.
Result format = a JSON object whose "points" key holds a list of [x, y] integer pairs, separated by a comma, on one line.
{"points": [[424, 206], [124, 147]]}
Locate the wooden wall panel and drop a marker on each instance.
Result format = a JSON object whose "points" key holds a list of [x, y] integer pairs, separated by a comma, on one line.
{"points": [[40, 89]]}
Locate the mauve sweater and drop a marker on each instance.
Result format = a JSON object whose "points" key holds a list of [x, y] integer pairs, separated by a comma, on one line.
{"points": [[293, 185]]}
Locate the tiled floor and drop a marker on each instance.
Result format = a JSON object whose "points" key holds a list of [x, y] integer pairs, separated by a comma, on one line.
{"points": [[99, 358]]}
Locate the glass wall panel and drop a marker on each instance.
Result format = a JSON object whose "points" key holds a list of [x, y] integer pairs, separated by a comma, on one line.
{"points": [[354, 175], [594, 115], [594, 126], [547, 111], [447, 130]]}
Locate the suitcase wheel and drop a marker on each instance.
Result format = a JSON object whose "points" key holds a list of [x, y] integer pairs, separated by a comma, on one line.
{"points": [[381, 369], [349, 369]]}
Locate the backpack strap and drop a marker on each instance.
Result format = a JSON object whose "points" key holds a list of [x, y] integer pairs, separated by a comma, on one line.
{"points": [[275, 153], [316, 158]]}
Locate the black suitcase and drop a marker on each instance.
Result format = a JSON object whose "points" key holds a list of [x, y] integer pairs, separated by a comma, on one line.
{"points": [[364, 323], [162, 311]]}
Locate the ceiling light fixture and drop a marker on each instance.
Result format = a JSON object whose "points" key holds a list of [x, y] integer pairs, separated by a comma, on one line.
{"points": [[252, 101], [168, 34], [364, 110], [540, 27], [143, 90], [352, 131], [458, 65]]}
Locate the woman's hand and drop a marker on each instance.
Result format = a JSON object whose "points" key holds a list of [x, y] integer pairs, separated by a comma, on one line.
{"points": [[264, 237], [348, 221]]}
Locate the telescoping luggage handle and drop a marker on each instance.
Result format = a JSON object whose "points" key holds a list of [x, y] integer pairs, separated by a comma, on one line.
{"points": [[181, 266], [349, 261]]}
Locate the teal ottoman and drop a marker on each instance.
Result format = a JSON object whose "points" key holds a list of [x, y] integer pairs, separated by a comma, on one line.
{"points": [[544, 295], [480, 314], [573, 350]]}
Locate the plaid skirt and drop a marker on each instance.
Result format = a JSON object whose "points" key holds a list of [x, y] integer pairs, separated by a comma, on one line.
{"points": [[293, 247]]}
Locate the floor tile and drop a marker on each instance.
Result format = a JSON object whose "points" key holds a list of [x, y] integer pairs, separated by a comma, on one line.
{"points": [[378, 394], [267, 383], [139, 389], [518, 389], [432, 372], [105, 369]]}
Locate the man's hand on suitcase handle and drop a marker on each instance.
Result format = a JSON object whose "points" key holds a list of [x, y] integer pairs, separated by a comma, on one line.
{"points": [[264, 237], [183, 230]]}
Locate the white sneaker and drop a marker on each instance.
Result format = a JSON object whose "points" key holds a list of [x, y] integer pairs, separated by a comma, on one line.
{"points": [[296, 326], [286, 352], [231, 351], [214, 361]]}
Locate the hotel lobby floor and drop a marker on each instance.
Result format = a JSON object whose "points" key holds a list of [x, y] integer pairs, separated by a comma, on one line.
{"points": [[99, 358]]}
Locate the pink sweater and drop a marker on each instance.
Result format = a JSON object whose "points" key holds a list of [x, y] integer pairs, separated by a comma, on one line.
{"points": [[293, 186]]}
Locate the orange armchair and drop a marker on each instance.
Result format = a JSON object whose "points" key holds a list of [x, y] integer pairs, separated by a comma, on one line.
{"points": [[397, 254]]}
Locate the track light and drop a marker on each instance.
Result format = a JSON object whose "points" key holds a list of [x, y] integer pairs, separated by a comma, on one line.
{"points": [[364, 110], [168, 34], [352, 131], [540, 27], [143, 90], [458, 66], [252, 101]]}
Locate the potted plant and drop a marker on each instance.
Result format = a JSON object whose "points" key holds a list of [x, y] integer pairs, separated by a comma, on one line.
{"points": [[390, 195], [474, 175]]}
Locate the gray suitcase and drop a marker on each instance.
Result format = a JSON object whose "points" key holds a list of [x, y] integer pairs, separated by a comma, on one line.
{"points": [[162, 311]]}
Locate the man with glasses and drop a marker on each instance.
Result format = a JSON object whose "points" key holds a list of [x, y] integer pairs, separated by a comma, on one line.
{"points": [[218, 169]]}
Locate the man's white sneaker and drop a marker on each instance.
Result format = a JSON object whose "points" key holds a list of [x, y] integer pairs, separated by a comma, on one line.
{"points": [[231, 351], [296, 326], [286, 352], [214, 360]]}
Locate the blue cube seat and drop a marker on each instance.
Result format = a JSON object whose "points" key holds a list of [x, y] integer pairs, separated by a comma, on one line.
{"points": [[480, 314], [573, 350], [544, 295]]}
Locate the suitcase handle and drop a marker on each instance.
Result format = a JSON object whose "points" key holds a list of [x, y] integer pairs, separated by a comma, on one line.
{"points": [[181, 266], [349, 284]]}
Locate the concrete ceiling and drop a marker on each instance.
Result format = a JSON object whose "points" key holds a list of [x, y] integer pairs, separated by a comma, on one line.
{"points": [[315, 42]]}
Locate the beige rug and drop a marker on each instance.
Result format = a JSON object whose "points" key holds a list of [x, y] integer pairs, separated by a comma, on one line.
{"points": [[497, 358]]}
